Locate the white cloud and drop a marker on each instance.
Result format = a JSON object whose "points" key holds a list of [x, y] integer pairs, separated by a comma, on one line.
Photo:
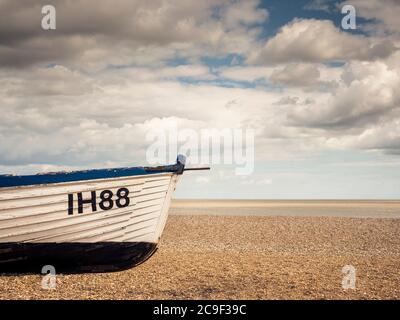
{"points": [[245, 73], [369, 92], [384, 136], [243, 13], [297, 75], [92, 34], [312, 40], [312, 75]]}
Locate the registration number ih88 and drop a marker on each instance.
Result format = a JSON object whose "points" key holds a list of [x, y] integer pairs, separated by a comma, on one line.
{"points": [[106, 200]]}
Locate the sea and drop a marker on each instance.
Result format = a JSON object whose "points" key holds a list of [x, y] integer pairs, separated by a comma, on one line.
{"points": [[305, 208]]}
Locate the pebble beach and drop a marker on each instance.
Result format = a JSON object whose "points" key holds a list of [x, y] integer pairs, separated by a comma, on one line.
{"points": [[245, 257]]}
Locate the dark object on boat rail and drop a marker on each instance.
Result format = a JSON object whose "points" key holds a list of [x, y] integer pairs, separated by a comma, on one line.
{"points": [[178, 168]]}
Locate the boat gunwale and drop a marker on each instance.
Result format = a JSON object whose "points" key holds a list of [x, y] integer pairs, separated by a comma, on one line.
{"points": [[8, 187]]}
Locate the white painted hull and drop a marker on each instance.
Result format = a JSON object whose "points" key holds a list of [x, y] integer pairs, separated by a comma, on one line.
{"points": [[40, 216]]}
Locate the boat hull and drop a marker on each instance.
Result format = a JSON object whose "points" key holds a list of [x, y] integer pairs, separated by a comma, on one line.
{"points": [[74, 257], [84, 226]]}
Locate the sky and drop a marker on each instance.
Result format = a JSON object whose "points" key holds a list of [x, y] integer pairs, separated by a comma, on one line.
{"points": [[323, 102]]}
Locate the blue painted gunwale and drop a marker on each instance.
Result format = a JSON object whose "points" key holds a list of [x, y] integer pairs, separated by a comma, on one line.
{"points": [[7, 181]]}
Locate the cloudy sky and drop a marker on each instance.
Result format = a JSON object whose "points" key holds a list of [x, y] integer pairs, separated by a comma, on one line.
{"points": [[324, 102]]}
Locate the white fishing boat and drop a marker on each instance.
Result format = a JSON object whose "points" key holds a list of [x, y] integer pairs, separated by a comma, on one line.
{"points": [[94, 220]]}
